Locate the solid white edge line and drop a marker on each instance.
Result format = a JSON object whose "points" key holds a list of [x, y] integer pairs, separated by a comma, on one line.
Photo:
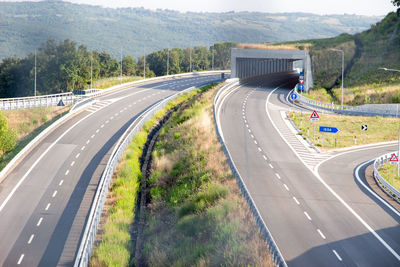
{"points": [[337, 255], [316, 174], [20, 259]]}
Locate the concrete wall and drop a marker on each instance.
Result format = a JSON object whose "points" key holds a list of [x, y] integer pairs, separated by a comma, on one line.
{"points": [[246, 63]]}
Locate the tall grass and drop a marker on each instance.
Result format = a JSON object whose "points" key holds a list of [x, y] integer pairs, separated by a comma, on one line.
{"points": [[115, 246], [197, 216]]}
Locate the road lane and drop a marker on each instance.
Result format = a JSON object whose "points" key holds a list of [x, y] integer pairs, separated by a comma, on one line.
{"points": [[333, 236], [58, 191]]}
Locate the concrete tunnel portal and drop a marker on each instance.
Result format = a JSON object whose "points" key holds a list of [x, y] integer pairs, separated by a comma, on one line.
{"points": [[247, 63]]}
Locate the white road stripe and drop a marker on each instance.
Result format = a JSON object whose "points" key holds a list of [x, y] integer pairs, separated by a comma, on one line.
{"points": [[255, 142], [77, 155], [72, 163], [55, 193], [277, 175], [30, 239], [20, 259], [66, 173], [295, 200], [92, 136], [337, 255], [308, 216], [286, 187], [48, 206], [39, 222], [61, 182], [83, 148], [321, 234], [252, 136], [102, 126], [259, 149], [87, 142], [264, 157], [98, 130], [271, 166]]}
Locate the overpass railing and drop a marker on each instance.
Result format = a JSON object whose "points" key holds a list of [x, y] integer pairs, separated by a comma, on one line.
{"points": [[385, 185], [273, 248], [384, 110]]}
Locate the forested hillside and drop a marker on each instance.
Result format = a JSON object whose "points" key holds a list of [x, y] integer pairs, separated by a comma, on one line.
{"points": [[26, 25], [364, 53]]}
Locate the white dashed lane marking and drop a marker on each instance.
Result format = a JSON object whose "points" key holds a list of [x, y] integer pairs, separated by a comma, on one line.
{"points": [[337, 255], [30, 239], [308, 216], [321, 234], [61, 182], [20, 259], [40, 220], [295, 200]]}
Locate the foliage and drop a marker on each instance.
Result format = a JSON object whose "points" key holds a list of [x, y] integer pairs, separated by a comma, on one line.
{"points": [[8, 138], [64, 67]]}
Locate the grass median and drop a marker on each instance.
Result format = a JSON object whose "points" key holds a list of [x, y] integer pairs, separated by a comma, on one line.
{"points": [[379, 129], [196, 214]]}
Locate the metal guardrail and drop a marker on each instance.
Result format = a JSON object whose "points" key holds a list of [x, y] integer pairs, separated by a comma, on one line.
{"points": [[86, 245], [383, 110], [71, 99], [274, 250], [385, 185]]}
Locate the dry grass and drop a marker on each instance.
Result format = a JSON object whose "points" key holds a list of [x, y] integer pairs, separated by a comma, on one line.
{"points": [[25, 121], [267, 46], [109, 82]]}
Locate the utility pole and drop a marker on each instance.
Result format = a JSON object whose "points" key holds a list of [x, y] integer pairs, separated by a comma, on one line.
{"points": [[144, 64], [212, 50], [398, 140], [167, 61], [35, 72], [190, 59], [120, 82], [91, 71], [341, 51]]}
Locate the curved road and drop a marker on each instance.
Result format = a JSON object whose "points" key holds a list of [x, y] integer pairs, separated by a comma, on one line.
{"points": [[45, 200], [316, 209]]}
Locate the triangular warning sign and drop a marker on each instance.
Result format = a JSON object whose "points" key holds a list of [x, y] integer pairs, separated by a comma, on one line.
{"points": [[314, 115], [393, 158]]}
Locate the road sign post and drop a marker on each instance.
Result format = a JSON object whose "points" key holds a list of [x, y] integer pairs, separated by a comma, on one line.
{"points": [[314, 117], [327, 129], [293, 97], [394, 160]]}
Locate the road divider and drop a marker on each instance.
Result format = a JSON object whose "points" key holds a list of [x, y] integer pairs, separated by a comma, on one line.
{"points": [[385, 185]]}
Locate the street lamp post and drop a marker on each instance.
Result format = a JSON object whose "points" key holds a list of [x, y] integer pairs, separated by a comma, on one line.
{"points": [[167, 61], [341, 51], [398, 139]]}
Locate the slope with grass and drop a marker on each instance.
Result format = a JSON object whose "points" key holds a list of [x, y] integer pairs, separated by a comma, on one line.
{"points": [[27, 124]]}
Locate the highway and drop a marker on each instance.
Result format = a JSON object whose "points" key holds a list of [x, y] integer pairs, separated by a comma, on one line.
{"points": [[317, 210], [45, 199]]}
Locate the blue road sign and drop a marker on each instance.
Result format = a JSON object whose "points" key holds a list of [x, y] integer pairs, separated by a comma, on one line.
{"points": [[327, 129], [301, 87], [293, 96]]}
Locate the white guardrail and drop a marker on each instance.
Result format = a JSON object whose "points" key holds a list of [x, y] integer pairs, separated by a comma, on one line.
{"points": [[89, 236], [71, 98], [273, 248], [384, 110], [385, 185]]}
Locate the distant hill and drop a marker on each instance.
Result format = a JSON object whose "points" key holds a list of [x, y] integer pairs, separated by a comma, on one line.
{"points": [[25, 25], [365, 53]]}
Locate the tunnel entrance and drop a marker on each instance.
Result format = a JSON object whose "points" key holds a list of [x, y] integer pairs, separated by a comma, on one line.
{"points": [[248, 63]]}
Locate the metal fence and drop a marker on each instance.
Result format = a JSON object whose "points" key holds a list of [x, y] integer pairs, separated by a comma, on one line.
{"points": [[86, 245], [385, 185], [274, 250], [384, 110]]}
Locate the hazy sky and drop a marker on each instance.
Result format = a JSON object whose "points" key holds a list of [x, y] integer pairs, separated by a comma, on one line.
{"points": [[360, 7]]}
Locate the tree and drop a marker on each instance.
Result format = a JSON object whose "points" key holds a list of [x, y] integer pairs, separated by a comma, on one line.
{"points": [[396, 3], [128, 66]]}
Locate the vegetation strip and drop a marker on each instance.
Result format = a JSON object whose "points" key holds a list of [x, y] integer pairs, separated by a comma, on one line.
{"points": [[195, 213], [379, 129]]}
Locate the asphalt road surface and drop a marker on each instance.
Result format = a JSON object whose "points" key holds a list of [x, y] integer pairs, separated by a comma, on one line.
{"points": [[317, 210], [45, 200]]}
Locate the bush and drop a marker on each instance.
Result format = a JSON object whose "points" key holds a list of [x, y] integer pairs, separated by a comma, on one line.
{"points": [[8, 138]]}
